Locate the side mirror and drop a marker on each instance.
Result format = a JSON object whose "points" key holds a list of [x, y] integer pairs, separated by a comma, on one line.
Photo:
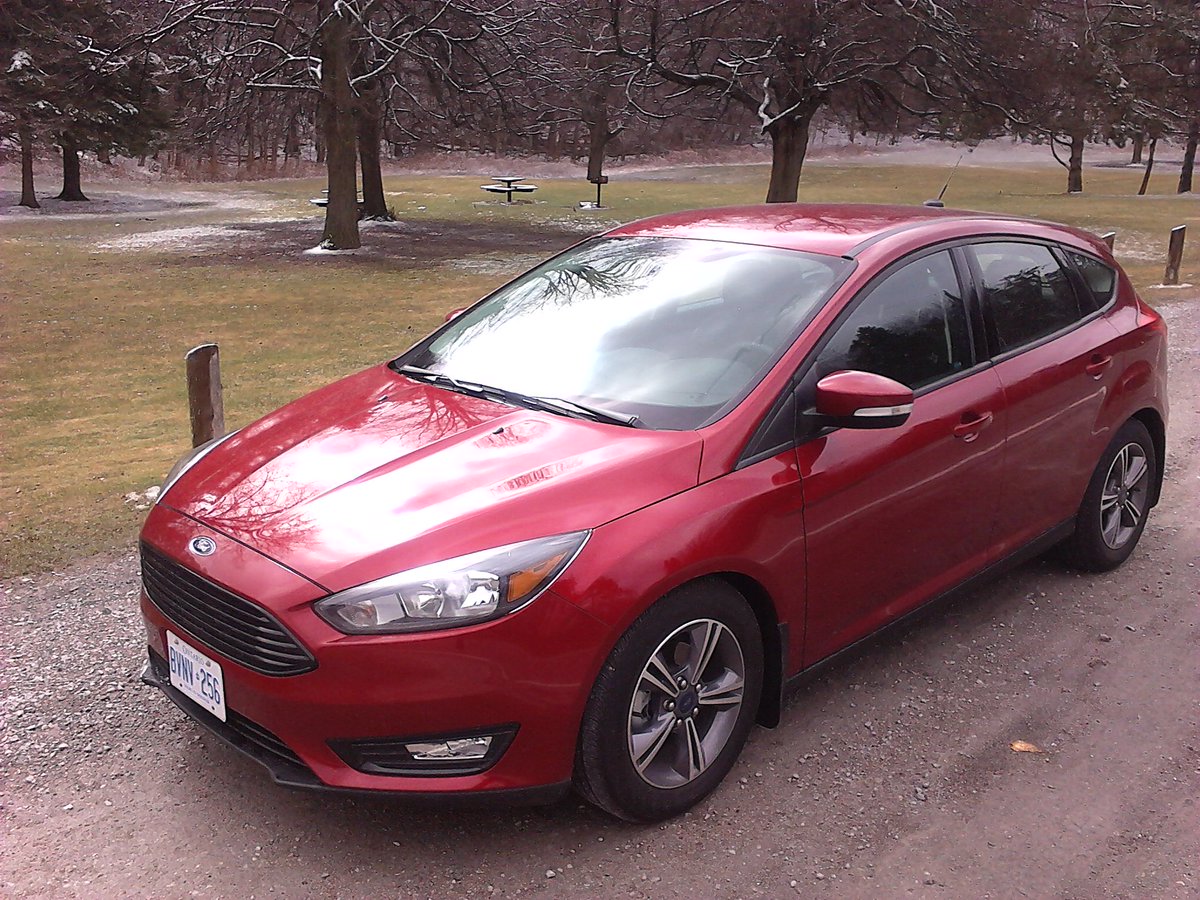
{"points": [[852, 399], [454, 313]]}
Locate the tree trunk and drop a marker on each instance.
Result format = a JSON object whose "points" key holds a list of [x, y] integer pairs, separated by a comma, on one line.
{"points": [[1149, 168], [1189, 157], [319, 134], [595, 117], [789, 144], [368, 119], [1139, 141], [291, 141], [598, 138], [72, 188], [1075, 165], [104, 154], [248, 140], [337, 102], [28, 197]]}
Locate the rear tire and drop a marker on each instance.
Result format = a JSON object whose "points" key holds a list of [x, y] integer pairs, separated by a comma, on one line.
{"points": [[1113, 513], [673, 704]]}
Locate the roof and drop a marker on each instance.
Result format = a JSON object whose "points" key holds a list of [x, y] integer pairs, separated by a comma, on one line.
{"points": [[834, 228]]}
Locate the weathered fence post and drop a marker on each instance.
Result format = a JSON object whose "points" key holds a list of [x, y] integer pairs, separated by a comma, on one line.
{"points": [[1109, 238], [206, 405], [1175, 255]]}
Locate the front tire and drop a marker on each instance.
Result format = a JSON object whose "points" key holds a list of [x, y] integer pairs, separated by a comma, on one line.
{"points": [[1114, 509], [673, 704]]}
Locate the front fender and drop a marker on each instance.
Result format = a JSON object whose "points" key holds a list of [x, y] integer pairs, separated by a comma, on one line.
{"points": [[748, 523]]}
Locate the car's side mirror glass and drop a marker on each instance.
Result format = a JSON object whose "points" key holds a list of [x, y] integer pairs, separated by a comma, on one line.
{"points": [[852, 399]]}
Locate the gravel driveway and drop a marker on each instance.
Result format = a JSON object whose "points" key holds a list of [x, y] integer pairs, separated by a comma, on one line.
{"points": [[892, 774]]}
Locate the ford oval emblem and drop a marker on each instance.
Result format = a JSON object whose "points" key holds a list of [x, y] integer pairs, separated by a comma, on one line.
{"points": [[203, 546]]}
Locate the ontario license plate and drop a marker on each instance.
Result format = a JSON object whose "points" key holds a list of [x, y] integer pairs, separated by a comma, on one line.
{"points": [[196, 675]]}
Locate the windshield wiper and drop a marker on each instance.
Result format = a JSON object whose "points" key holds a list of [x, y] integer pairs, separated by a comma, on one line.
{"points": [[556, 405], [576, 409], [432, 377]]}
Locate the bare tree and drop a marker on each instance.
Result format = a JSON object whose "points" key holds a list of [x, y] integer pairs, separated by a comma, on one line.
{"points": [[350, 54], [1080, 79], [1182, 58], [787, 59]]}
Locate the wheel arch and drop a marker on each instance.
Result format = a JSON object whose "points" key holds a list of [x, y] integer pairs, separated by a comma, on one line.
{"points": [[1154, 423], [774, 638]]}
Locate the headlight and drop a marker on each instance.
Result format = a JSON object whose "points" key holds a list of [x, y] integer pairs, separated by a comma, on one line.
{"points": [[188, 460], [459, 591]]}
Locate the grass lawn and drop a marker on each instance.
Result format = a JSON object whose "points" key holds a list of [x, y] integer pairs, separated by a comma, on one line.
{"points": [[92, 339]]}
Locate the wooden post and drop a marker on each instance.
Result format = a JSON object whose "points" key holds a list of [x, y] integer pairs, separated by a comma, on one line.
{"points": [[206, 405], [1109, 238], [1175, 255]]}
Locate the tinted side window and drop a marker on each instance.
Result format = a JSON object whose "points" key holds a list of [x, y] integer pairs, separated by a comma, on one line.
{"points": [[1029, 293], [912, 327], [1099, 277]]}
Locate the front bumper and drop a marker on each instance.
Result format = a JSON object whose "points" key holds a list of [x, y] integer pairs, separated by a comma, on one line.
{"points": [[533, 669], [286, 769]]}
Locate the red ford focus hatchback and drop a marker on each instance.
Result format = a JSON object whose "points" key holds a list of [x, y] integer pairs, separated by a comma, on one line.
{"points": [[588, 531]]}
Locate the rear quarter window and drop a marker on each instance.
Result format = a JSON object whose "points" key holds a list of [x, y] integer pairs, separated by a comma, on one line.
{"points": [[1100, 278]]}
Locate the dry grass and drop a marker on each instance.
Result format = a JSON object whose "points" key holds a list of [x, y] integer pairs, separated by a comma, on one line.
{"points": [[92, 340]]}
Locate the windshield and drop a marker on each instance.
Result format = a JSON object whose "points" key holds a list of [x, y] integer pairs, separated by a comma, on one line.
{"points": [[673, 331]]}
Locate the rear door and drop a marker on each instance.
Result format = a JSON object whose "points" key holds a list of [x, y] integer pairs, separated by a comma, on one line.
{"points": [[897, 515], [1054, 355]]}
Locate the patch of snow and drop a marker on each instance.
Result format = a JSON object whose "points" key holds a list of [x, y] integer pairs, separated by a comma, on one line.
{"points": [[323, 251], [251, 200], [1170, 287], [583, 224], [380, 223], [142, 500], [166, 239], [20, 60]]}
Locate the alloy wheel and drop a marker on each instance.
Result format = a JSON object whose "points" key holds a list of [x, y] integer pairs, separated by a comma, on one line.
{"points": [[686, 703], [1123, 500]]}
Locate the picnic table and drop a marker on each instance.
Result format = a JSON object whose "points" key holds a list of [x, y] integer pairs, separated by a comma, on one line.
{"points": [[508, 185], [323, 202]]}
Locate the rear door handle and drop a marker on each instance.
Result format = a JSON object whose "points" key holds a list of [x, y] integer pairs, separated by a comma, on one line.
{"points": [[1098, 365], [972, 424]]}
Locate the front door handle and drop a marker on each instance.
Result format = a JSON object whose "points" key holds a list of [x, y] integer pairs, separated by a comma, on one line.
{"points": [[971, 425], [1098, 365]]}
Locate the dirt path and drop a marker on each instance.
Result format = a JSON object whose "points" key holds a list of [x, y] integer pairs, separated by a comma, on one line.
{"points": [[891, 775]]}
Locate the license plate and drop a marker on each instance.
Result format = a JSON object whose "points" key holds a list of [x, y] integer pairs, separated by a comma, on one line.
{"points": [[196, 675]]}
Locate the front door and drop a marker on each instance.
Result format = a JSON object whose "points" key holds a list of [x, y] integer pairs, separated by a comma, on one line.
{"points": [[895, 516]]}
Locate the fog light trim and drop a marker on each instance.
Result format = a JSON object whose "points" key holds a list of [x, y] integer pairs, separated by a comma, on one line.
{"points": [[444, 755]]}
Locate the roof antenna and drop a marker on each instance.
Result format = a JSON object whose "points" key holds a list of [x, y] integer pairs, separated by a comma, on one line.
{"points": [[938, 204]]}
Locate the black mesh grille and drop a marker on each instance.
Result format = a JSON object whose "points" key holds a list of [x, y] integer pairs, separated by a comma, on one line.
{"points": [[229, 624]]}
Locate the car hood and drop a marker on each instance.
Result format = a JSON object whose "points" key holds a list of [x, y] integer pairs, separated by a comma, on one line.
{"points": [[377, 473]]}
